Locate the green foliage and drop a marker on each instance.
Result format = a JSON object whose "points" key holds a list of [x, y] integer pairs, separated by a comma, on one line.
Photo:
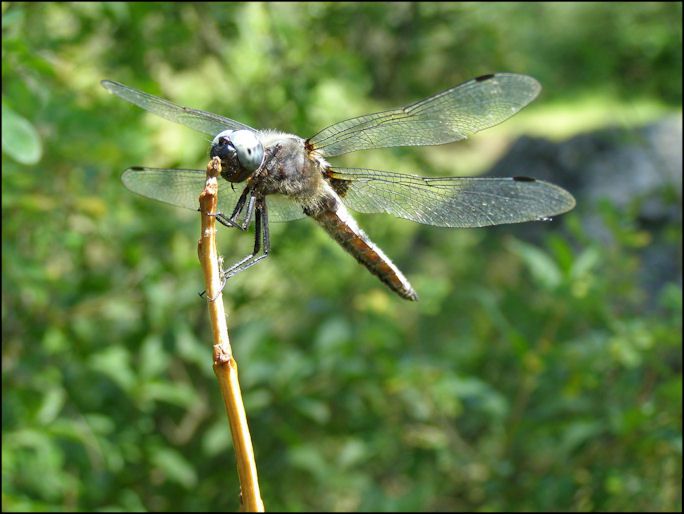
{"points": [[19, 139], [529, 376]]}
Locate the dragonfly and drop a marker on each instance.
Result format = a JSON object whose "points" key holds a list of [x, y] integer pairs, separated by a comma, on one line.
{"points": [[286, 177]]}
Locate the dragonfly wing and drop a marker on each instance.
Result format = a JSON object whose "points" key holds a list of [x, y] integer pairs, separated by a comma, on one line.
{"points": [[282, 208], [202, 121], [182, 188], [448, 116], [450, 201]]}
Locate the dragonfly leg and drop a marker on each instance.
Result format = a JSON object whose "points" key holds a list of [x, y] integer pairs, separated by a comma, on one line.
{"points": [[239, 207], [261, 237], [232, 221]]}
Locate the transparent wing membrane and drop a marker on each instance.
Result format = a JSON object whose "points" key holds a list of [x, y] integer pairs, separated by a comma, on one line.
{"points": [[202, 121], [451, 201], [448, 116], [182, 188]]}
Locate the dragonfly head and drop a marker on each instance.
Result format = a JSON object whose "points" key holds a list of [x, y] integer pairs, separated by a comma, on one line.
{"points": [[241, 153]]}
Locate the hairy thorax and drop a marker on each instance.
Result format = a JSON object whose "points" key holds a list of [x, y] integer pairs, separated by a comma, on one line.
{"points": [[291, 170]]}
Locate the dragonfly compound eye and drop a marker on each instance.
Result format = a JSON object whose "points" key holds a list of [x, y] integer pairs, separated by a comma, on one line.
{"points": [[222, 147], [250, 151]]}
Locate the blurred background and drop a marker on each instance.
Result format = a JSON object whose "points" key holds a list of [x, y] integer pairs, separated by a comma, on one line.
{"points": [[541, 368]]}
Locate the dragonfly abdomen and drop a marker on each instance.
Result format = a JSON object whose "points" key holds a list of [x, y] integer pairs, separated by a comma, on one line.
{"points": [[343, 228]]}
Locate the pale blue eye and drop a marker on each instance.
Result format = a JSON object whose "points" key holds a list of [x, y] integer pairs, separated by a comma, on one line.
{"points": [[250, 151]]}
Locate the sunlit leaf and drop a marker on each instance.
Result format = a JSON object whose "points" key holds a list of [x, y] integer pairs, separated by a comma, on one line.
{"points": [[539, 264], [20, 139], [175, 467]]}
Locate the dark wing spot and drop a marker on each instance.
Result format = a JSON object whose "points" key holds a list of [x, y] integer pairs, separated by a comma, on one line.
{"points": [[524, 179], [136, 168], [339, 186], [482, 78]]}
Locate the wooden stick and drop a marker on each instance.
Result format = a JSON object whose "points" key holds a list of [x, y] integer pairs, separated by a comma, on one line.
{"points": [[225, 367]]}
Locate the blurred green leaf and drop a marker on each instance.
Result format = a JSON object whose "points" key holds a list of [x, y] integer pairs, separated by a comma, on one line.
{"points": [[175, 467], [540, 265], [20, 140], [114, 363], [306, 457], [52, 404], [216, 439]]}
